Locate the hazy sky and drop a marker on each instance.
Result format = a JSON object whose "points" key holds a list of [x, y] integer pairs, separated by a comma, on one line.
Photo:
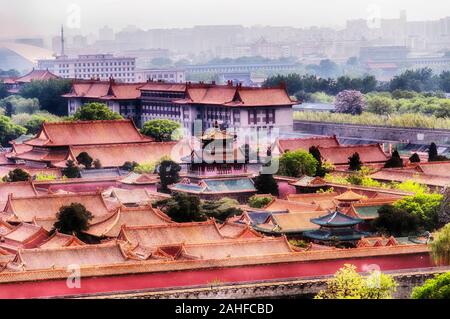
{"points": [[43, 17]]}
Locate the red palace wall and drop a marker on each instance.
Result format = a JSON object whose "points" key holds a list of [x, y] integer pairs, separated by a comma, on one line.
{"points": [[58, 288]]}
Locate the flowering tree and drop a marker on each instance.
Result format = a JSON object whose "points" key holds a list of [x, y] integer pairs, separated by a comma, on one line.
{"points": [[350, 102], [348, 284]]}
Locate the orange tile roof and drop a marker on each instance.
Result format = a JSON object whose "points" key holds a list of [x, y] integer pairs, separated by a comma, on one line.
{"points": [[93, 255], [239, 248], [349, 195], [36, 75], [263, 96], [293, 144], [115, 155], [139, 196], [132, 217], [160, 86], [169, 234], [435, 168], [211, 95], [59, 240], [105, 90], [235, 96], [324, 200], [293, 207], [400, 175], [26, 209], [295, 222], [5, 227], [20, 189], [87, 133], [23, 236], [338, 155], [235, 230]]}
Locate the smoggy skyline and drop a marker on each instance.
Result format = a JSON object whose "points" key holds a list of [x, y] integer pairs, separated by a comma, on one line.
{"points": [[42, 18]]}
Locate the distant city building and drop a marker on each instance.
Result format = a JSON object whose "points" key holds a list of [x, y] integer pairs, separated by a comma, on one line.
{"points": [[106, 34], [167, 75], [92, 66], [247, 67]]}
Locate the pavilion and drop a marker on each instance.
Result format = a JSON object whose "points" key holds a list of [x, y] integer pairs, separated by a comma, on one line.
{"points": [[335, 228]]}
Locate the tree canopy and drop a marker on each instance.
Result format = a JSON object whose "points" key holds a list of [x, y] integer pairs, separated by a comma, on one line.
{"points": [[423, 206], [17, 175], [183, 208], [168, 172], [266, 184], [394, 221], [354, 162], [434, 288], [71, 170], [73, 219], [95, 112], [297, 163], [348, 284], [440, 246], [9, 131], [395, 161], [85, 159], [350, 102], [49, 93], [161, 130], [259, 201]]}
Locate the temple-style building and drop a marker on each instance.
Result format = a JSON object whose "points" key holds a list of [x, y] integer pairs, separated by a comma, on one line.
{"points": [[228, 105], [336, 228], [218, 169], [13, 85], [111, 142]]}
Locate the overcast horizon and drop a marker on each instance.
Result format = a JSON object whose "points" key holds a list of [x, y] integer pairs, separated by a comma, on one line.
{"points": [[26, 18]]}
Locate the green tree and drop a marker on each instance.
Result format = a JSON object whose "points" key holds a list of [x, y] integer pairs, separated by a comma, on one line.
{"points": [[348, 284], [380, 105], [415, 158], [354, 162], [440, 246], [19, 104], [393, 221], [97, 164], [395, 161], [297, 163], [169, 173], [433, 155], [434, 288], [3, 91], [73, 219], [424, 206], [17, 175], [182, 208], [129, 166], [33, 122], [266, 184], [95, 112], [320, 170], [85, 159], [259, 201], [71, 170], [49, 93], [444, 210], [221, 209], [160, 130], [9, 131]]}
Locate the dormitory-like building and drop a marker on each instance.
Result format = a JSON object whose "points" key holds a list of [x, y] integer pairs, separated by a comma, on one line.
{"points": [[227, 106]]}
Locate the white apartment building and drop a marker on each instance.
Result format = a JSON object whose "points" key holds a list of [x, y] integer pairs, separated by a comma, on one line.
{"points": [[167, 75], [92, 66]]}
